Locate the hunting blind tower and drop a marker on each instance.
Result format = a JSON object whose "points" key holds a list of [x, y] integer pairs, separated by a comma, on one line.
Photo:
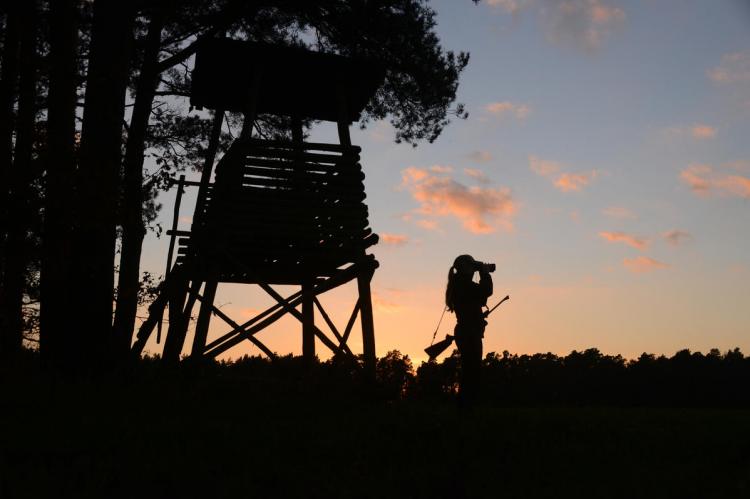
{"points": [[278, 212]]}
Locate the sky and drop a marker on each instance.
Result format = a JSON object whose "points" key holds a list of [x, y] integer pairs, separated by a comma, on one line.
{"points": [[604, 167]]}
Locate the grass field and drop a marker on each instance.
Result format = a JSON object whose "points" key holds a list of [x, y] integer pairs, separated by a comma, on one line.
{"points": [[190, 438]]}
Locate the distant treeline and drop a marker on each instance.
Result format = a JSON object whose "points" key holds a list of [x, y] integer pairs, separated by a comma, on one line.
{"points": [[592, 378], [588, 377], [579, 378]]}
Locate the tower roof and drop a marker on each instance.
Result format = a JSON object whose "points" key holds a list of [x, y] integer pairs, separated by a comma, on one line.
{"points": [[291, 81]]}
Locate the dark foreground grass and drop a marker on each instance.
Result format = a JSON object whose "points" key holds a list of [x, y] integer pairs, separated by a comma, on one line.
{"points": [[177, 437]]}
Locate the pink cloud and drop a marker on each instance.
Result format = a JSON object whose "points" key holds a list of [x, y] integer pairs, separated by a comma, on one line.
{"points": [[603, 14], [704, 180], [643, 264], [739, 165], [520, 111], [413, 174], [574, 181], [621, 237], [393, 239], [477, 174], [543, 167], [703, 132], [428, 224], [733, 68], [480, 156], [509, 6], [441, 169], [563, 181], [386, 306], [697, 131], [581, 23], [481, 210], [676, 237]]}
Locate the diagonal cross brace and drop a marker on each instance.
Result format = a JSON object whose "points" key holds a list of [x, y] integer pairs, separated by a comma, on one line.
{"points": [[296, 313], [237, 327]]}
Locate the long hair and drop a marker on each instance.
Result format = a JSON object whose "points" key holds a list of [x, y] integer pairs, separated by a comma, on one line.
{"points": [[449, 289], [452, 278]]}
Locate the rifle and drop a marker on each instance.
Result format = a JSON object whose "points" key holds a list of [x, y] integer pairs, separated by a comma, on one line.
{"points": [[434, 350]]}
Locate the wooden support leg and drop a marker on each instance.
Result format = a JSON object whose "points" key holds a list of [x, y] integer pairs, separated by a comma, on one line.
{"points": [[204, 318], [308, 322], [155, 311], [179, 318], [368, 327]]}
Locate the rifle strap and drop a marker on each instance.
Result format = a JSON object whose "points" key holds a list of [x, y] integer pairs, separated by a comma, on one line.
{"points": [[438, 326]]}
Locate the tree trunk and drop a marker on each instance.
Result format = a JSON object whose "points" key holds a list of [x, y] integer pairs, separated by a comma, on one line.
{"points": [[60, 162], [97, 181], [8, 83], [16, 249], [133, 229]]}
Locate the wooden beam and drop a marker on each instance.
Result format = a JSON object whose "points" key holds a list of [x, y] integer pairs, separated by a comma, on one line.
{"points": [[221, 315], [350, 324], [366, 320], [204, 318], [308, 322], [245, 334], [208, 164], [343, 120], [342, 343], [293, 311], [178, 320], [251, 106], [293, 300]]}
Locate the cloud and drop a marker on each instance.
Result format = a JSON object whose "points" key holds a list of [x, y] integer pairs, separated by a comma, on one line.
{"points": [[481, 210], [574, 181], [703, 132], [509, 6], [676, 237], [563, 181], [618, 212], [543, 167], [480, 156], [643, 264], [733, 68], [581, 23], [697, 131], [500, 109], [621, 237], [428, 224], [704, 180], [386, 306], [382, 131], [739, 165], [477, 175], [393, 239], [441, 169]]}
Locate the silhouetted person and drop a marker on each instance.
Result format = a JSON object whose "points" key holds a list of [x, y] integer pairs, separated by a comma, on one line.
{"points": [[466, 298]]}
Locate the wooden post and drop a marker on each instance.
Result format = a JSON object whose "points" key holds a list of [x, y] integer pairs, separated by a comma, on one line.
{"points": [[308, 322], [204, 319], [175, 221], [250, 107], [208, 163], [343, 122], [368, 326], [297, 135], [175, 335]]}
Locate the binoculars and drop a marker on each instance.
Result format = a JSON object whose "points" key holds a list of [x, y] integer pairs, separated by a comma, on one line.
{"points": [[485, 267]]}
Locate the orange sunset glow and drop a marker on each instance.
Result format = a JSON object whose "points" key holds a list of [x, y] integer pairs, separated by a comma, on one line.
{"points": [[603, 167]]}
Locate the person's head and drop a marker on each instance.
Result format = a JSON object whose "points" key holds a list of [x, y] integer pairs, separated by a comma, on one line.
{"points": [[464, 265], [462, 269]]}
